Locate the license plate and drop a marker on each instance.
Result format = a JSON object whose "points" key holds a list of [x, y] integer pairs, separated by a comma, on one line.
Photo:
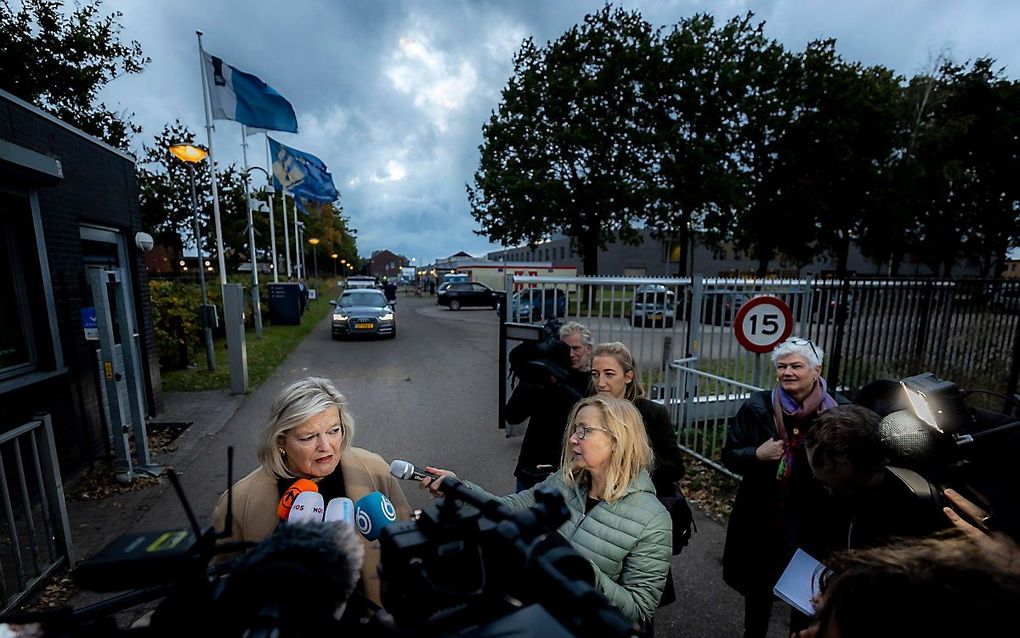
{"points": [[363, 326]]}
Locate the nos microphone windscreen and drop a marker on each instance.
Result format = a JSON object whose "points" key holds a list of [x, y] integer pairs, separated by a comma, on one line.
{"points": [[287, 500], [308, 508], [340, 509], [374, 512]]}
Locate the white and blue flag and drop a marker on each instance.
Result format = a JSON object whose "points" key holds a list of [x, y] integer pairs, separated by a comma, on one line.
{"points": [[242, 97], [302, 174]]}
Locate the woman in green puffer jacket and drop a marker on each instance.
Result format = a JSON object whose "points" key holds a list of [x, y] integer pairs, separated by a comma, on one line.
{"points": [[616, 521]]}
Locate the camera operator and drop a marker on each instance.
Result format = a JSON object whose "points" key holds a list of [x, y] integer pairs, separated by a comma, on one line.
{"points": [[579, 339], [544, 395], [309, 435], [847, 455], [616, 521]]}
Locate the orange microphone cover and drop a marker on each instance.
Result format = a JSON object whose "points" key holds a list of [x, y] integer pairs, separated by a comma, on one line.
{"points": [[287, 500]]}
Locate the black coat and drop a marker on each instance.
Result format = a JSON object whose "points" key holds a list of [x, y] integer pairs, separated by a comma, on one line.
{"points": [[547, 406], [669, 461], [770, 519]]}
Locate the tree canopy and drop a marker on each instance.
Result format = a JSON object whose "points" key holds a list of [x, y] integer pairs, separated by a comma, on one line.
{"points": [[60, 60], [715, 131]]}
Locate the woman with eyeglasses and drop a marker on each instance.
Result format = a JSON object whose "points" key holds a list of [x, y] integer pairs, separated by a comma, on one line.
{"points": [[779, 505], [616, 521]]}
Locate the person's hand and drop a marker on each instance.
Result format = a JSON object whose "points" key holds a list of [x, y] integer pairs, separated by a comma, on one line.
{"points": [[771, 450], [982, 530], [807, 632], [432, 484]]}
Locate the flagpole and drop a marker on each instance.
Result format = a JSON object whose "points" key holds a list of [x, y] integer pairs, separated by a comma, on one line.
{"points": [[272, 216], [297, 244], [207, 107], [255, 301], [283, 198]]}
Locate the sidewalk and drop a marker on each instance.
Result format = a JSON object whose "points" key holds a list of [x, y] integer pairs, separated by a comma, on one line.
{"points": [[96, 523]]}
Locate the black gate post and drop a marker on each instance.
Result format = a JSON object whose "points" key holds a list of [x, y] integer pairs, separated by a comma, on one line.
{"points": [[832, 376]]}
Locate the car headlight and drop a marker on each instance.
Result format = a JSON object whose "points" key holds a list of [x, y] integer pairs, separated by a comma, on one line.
{"points": [[337, 316], [386, 317]]}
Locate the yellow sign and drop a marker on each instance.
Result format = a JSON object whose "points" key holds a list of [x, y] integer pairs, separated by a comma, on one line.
{"points": [[108, 369]]}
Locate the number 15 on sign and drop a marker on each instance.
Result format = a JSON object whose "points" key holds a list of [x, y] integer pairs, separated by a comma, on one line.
{"points": [[763, 323]]}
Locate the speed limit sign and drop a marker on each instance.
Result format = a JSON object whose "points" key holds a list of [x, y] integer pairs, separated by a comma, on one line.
{"points": [[762, 323]]}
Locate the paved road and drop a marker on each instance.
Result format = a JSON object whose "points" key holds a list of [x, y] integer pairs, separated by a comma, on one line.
{"points": [[430, 396]]}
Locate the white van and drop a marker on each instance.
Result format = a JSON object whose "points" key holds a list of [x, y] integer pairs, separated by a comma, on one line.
{"points": [[360, 281]]}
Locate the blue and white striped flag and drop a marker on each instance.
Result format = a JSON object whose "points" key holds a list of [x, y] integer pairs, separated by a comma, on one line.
{"points": [[242, 97]]}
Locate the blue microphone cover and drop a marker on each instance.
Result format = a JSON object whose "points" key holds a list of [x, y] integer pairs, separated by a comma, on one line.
{"points": [[373, 512]]}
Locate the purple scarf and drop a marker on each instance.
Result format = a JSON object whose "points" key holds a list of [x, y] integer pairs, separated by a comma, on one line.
{"points": [[816, 402]]}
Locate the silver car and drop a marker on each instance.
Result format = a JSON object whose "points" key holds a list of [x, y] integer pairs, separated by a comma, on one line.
{"points": [[363, 311]]}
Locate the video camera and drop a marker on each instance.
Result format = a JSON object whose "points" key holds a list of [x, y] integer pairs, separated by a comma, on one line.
{"points": [[541, 353], [929, 429], [466, 567]]}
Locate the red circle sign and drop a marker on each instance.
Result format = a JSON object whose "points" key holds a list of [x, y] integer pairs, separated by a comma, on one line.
{"points": [[763, 323]]}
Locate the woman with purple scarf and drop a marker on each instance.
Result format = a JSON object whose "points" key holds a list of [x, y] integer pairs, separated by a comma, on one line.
{"points": [[779, 505]]}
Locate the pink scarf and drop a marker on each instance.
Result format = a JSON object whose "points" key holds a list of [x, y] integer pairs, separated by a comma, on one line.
{"points": [[816, 402]]}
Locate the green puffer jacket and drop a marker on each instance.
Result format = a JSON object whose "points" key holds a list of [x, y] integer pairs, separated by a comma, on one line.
{"points": [[628, 541]]}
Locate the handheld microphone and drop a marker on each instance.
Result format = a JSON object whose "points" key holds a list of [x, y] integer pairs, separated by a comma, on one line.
{"points": [[407, 471], [373, 512], [287, 500], [340, 509], [308, 508]]}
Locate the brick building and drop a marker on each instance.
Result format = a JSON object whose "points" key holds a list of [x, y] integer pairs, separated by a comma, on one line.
{"points": [[69, 217], [384, 263]]}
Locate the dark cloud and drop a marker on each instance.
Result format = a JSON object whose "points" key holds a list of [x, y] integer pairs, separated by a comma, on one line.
{"points": [[392, 95]]}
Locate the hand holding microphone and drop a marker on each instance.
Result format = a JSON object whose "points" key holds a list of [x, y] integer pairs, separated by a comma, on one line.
{"points": [[429, 478]]}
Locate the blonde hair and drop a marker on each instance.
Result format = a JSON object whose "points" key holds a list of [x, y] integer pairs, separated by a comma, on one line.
{"points": [[623, 356], [631, 450], [297, 403]]}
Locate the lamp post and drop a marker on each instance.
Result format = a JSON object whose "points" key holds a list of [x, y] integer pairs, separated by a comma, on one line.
{"points": [[333, 257], [314, 241], [192, 155], [272, 220]]}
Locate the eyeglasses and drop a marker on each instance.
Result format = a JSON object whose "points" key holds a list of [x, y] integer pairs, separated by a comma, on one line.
{"points": [[581, 431], [804, 342]]}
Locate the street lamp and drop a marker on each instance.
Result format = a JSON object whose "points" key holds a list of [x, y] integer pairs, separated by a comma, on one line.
{"points": [[192, 155], [314, 241], [333, 257]]}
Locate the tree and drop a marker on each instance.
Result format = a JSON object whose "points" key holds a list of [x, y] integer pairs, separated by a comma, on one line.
{"points": [[565, 152], [695, 94], [61, 61]]}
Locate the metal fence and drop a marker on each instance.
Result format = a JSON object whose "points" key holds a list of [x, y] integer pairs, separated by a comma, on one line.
{"points": [[35, 536], [680, 331]]}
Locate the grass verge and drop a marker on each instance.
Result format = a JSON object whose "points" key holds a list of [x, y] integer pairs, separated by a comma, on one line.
{"points": [[264, 354]]}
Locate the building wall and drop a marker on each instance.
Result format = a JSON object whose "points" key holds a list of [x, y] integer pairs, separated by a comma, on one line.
{"points": [[648, 259], [97, 188]]}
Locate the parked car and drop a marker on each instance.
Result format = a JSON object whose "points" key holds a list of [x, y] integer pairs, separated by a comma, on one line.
{"points": [[653, 303], [465, 294], [719, 307], [363, 312], [537, 303]]}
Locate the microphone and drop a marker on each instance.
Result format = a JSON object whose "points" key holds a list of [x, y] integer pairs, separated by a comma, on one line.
{"points": [[308, 508], [287, 500], [407, 471], [295, 581], [373, 512], [340, 509]]}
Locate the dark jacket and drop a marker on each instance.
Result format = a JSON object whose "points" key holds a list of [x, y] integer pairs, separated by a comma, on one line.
{"points": [[547, 406], [669, 461], [770, 519]]}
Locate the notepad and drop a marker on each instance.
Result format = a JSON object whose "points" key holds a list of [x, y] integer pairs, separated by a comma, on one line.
{"points": [[799, 582]]}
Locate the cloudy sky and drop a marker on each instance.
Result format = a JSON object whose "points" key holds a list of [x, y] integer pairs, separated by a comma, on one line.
{"points": [[392, 94]]}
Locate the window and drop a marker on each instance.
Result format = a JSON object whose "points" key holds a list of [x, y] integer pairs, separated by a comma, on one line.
{"points": [[19, 287]]}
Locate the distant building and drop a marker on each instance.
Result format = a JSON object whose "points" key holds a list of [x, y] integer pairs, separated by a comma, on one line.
{"points": [[1012, 269], [661, 258], [384, 263]]}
